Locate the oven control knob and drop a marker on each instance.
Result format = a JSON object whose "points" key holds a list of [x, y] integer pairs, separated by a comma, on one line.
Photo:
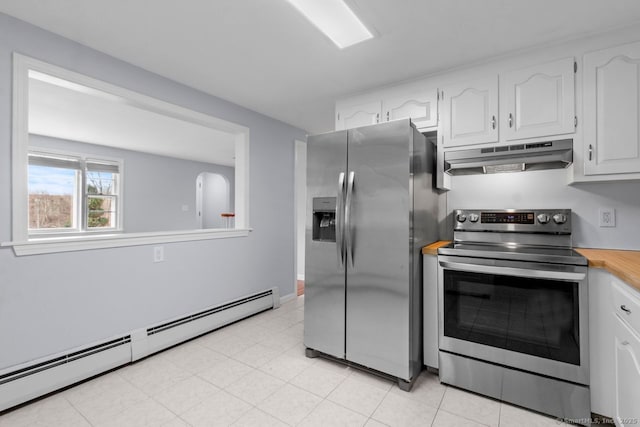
{"points": [[461, 217], [474, 217], [543, 218], [559, 218]]}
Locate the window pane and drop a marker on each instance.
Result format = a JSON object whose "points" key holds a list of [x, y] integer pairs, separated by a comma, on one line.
{"points": [[102, 183], [101, 211], [52, 201]]}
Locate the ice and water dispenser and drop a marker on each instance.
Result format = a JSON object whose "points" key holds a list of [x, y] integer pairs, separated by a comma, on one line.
{"points": [[324, 219]]}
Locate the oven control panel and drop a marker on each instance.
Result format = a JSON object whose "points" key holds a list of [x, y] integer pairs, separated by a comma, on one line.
{"points": [[552, 221]]}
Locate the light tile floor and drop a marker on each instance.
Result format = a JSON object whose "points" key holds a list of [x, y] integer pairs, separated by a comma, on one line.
{"points": [[255, 373]]}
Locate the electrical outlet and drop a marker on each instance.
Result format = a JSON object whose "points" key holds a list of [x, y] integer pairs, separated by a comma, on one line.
{"points": [[607, 217], [158, 254]]}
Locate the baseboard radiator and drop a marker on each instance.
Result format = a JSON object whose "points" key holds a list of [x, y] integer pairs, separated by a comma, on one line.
{"points": [[19, 384]]}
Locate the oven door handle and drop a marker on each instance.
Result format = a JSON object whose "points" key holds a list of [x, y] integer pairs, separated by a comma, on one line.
{"points": [[514, 271]]}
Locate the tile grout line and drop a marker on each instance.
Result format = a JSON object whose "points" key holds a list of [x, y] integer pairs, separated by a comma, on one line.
{"points": [[77, 410], [380, 403], [253, 406]]}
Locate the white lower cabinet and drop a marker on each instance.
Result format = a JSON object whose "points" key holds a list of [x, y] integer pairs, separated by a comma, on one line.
{"points": [[626, 330], [627, 374], [614, 348]]}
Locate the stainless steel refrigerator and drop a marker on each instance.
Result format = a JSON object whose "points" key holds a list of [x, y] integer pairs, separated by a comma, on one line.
{"points": [[371, 206]]}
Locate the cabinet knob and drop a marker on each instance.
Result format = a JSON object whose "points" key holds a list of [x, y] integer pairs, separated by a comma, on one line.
{"points": [[493, 122], [590, 152], [625, 343], [387, 116], [377, 117], [625, 309], [510, 120]]}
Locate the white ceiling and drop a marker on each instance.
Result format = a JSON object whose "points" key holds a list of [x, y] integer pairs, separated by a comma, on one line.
{"points": [[77, 113], [262, 54]]}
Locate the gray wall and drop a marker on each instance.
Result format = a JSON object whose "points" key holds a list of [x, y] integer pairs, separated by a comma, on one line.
{"points": [[154, 187], [548, 189], [47, 304]]}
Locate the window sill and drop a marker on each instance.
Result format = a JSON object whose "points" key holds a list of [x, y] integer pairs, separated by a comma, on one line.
{"points": [[47, 245]]}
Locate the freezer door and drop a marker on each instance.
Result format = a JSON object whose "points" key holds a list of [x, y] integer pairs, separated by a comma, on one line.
{"points": [[324, 300], [377, 230]]}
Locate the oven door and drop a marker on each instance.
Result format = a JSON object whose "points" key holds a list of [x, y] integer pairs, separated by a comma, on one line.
{"points": [[525, 315]]}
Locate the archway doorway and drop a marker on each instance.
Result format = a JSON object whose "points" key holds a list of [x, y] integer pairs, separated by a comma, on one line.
{"points": [[212, 199]]}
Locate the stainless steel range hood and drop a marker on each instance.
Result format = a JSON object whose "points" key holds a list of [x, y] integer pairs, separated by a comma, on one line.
{"points": [[510, 158]]}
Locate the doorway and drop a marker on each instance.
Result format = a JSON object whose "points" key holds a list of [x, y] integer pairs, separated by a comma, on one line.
{"points": [[212, 200]]}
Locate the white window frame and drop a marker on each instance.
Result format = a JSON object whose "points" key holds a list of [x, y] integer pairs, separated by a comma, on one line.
{"points": [[82, 210], [24, 245]]}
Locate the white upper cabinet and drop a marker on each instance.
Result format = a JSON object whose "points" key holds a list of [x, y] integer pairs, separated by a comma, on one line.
{"points": [[420, 106], [401, 102], [612, 110], [538, 101], [353, 116], [470, 112]]}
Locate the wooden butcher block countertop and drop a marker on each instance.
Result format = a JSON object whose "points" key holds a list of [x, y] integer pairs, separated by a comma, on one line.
{"points": [[432, 249], [623, 264]]}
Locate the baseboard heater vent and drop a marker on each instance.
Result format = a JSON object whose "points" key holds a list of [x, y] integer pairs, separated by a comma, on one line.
{"points": [[61, 360], [208, 312], [43, 376], [19, 384], [158, 337]]}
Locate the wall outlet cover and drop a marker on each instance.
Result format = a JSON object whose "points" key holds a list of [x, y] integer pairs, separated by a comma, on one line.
{"points": [[607, 217], [158, 253]]}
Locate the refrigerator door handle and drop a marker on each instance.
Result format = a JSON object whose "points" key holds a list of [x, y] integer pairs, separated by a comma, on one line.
{"points": [[340, 220], [347, 217]]}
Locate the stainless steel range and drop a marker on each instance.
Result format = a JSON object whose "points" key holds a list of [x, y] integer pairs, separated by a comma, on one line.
{"points": [[513, 304]]}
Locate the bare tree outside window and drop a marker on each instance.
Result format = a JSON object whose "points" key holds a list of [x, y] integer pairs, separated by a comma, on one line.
{"points": [[100, 204]]}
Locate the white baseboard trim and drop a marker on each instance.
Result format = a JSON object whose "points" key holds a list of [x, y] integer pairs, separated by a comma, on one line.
{"points": [[288, 297]]}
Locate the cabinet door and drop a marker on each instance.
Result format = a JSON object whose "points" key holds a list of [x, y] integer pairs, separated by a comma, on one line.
{"points": [[612, 110], [627, 362], [358, 115], [538, 101], [421, 107], [470, 113], [602, 320]]}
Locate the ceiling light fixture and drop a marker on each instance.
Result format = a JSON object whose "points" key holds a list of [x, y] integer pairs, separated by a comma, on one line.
{"points": [[335, 19]]}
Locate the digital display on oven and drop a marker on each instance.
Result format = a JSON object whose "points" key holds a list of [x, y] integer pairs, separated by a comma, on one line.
{"points": [[507, 218]]}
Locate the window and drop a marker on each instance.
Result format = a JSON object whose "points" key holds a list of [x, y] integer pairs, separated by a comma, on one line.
{"points": [[72, 194]]}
